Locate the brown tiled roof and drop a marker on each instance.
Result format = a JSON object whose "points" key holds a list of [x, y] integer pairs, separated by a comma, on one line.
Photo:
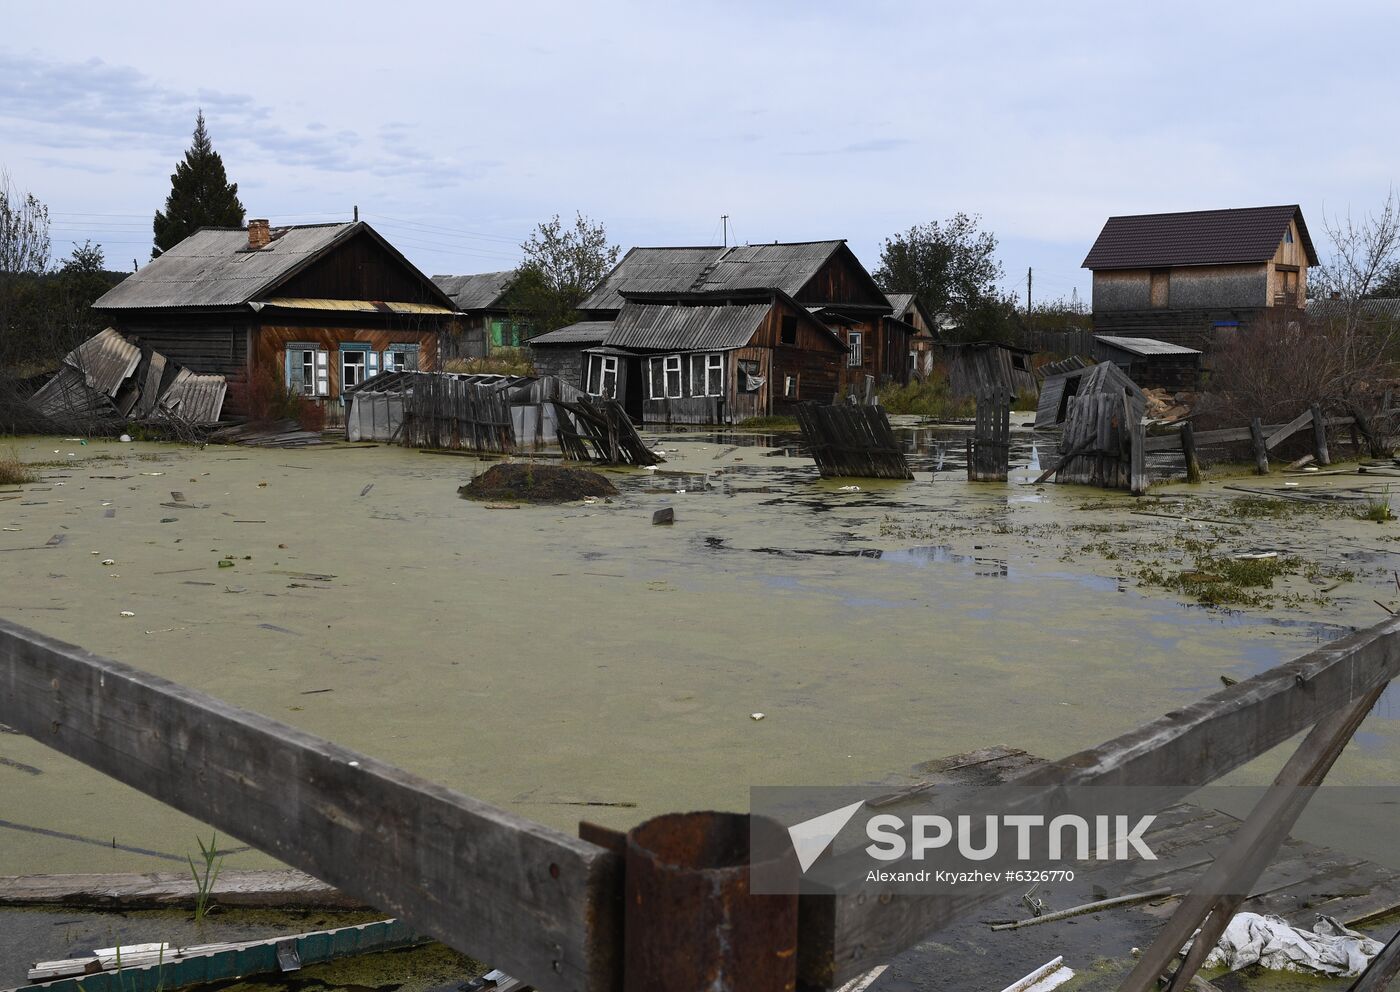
{"points": [[1198, 237]]}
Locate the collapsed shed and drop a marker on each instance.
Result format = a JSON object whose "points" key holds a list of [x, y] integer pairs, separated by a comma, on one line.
{"points": [[109, 379], [980, 365], [1057, 391]]}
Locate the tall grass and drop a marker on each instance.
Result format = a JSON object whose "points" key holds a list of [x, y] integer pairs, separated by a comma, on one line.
{"points": [[929, 399], [204, 886], [501, 361], [14, 472]]}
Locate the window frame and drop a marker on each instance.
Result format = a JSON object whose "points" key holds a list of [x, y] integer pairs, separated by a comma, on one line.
{"points": [[714, 363], [387, 357], [795, 382], [855, 341], [678, 371], [603, 365], [320, 368], [370, 364]]}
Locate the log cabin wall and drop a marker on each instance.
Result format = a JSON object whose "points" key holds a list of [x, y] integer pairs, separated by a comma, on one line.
{"points": [[809, 366], [359, 269]]}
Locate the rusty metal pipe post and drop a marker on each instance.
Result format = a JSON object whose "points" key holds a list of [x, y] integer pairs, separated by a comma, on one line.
{"points": [[691, 923]]}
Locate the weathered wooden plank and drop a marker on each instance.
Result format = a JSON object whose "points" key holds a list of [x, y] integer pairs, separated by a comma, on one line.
{"points": [[279, 887], [536, 902], [1186, 748], [1277, 437]]}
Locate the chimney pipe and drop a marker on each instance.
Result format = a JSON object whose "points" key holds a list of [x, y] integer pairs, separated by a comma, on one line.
{"points": [[259, 234]]}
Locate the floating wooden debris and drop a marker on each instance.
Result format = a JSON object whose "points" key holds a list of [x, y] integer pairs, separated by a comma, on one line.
{"points": [[852, 441], [279, 434]]}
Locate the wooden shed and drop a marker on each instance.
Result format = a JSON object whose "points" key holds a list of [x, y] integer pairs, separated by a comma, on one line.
{"points": [[982, 364], [1151, 363]]}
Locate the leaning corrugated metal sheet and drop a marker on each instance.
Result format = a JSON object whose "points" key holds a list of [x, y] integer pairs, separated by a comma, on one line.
{"points": [[106, 360], [194, 398]]}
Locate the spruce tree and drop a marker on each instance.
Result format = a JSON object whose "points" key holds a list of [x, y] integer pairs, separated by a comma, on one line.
{"points": [[200, 195]]}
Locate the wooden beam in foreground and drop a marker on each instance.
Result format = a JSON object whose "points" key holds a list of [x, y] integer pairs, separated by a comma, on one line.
{"points": [[842, 936], [532, 901]]}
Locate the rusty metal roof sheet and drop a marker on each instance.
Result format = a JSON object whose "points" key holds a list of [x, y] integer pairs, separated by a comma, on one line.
{"points": [[667, 327], [1197, 237], [194, 397], [480, 291], [106, 360]]}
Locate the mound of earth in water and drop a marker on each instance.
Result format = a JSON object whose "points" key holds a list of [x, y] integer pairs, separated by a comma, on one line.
{"points": [[531, 483]]}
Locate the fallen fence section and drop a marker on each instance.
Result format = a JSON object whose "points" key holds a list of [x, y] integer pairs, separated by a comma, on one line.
{"points": [[531, 900], [441, 412], [852, 441], [603, 426], [262, 889], [163, 967]]}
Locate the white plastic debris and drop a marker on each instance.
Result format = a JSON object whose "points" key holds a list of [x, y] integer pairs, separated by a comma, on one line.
{"points": [[849, 489], [1330, 949], [757, 716], [108, 561], [127, 613], [125, 439], [1050, 975]]}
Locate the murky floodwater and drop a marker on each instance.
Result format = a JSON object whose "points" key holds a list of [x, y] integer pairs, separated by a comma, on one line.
{"points": [[576, 661]]}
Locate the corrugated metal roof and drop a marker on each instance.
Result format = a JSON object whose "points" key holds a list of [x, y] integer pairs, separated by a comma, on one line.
{"points": [[1198, 237], [213, 267], [662, 327], [1145, 346], [106, 360], [659, 270], [479, 291], [1381, 308], [900, 302], [583, 332], [353, 306], [194, 397], [787, 267]]}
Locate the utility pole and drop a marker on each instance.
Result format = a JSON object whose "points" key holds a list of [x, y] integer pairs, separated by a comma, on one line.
{"points": [[1028, 290], [724, 219], [357, 213]]}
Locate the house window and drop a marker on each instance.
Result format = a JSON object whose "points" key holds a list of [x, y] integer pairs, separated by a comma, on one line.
{"points": [[855, 357], [714, 375], [665, 375], [789, 330], [1288, 236], [750, 381], [357, 363], [790, 387], [707, 375], [308, 370], [602, 376], [401, 358]]}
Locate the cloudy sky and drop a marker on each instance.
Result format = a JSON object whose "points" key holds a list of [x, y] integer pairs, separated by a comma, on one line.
{"points": [[456, 127]]}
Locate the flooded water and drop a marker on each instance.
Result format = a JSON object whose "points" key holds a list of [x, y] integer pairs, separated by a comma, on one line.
{"points": [[576, 661]]}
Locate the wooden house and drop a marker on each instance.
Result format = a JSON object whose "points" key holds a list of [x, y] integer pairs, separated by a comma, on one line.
{"points": [[315, 307], [1150, 363], [909, 310], [711, 357], [487, 320], [825, 277], [979, 364], [1194, 278]]}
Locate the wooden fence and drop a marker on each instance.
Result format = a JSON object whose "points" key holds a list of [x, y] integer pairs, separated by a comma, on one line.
{"points": [[989, 447], [442, 412], [1073, 342], [546, 906], [847, 440]]}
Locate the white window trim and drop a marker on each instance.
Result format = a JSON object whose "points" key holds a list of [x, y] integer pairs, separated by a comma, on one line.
{"points": [[714, 362], [666, 369], [856, 340], [320, 365], [370, 365], [604, 364]]}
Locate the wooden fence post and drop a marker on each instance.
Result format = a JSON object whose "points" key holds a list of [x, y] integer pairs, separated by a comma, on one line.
{"points": [[1188, 450], [1261, 453], [1319, 424], [1137, 456]]}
